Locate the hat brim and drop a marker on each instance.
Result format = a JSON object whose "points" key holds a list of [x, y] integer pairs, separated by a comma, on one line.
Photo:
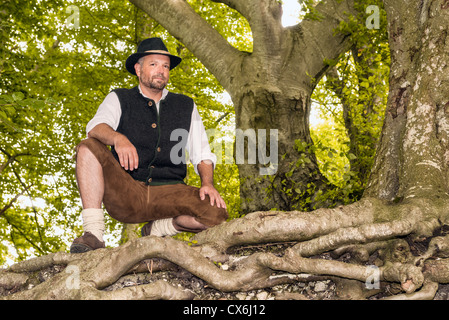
{"points": [[132, 60]]}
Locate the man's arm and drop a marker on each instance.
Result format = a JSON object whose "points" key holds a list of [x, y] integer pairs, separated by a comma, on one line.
{"points": [[199, 150], [126, 151], [206, 171]]}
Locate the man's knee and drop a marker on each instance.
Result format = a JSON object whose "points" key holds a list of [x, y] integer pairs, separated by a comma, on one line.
{"points": [[82, 150], [84, 157], [90, 149], [88, 144], [222, 216], [214, 216]]}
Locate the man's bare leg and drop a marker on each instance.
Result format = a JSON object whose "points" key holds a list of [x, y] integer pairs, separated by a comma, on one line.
{"points": [[89, 176]]}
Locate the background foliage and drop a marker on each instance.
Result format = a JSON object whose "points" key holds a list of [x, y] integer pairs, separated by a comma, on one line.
{"points": [[55, 72], [351, 98]]}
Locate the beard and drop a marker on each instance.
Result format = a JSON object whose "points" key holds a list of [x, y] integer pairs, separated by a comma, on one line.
{"points": [[157, 82]]}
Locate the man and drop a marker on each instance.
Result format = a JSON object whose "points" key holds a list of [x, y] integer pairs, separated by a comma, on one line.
{"points": [[137, 180]]}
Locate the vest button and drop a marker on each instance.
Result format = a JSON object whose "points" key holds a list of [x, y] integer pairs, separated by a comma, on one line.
{"points": [[158, 149], [150, 103], [154, 125]]}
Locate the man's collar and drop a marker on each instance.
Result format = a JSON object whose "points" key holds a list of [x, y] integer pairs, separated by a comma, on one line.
{"points": [[164, 93]]}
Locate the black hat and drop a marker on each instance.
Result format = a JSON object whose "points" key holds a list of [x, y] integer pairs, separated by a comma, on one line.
{"points": [[150, 46]]}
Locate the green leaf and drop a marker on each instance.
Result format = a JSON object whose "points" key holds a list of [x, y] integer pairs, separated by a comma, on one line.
{"points": [[18, 96], [7, 98], [37, 104], [11, 110]]}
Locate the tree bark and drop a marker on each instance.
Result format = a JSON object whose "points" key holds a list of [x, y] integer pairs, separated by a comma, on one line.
{"points": [[412, 157]]}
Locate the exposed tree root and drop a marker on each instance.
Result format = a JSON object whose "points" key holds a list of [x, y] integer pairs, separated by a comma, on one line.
{"points": [[427, 292], [363, 251]]}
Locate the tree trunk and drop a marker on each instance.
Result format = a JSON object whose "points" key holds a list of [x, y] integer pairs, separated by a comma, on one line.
{"points": [[412, 157], [291, 177]]}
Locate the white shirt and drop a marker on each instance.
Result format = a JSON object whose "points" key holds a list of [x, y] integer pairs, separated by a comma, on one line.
{"points": [[197, 147]]}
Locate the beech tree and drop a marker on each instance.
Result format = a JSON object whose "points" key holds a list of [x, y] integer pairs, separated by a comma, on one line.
{"points": [[395, 235]]}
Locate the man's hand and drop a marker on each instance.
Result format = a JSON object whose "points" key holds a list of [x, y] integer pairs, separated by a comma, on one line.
{"points": [[126, 152], [206, 171], [214, 196]]}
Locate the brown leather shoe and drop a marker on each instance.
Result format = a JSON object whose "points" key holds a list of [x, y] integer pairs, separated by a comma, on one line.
{"points": [[146, 229], [86, 242]]}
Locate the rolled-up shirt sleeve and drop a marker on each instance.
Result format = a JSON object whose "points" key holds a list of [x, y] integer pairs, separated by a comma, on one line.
{"points": [[109, 112], [198, 146]]}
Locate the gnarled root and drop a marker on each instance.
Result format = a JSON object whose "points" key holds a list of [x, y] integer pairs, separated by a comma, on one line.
{"points": [[359, 242], [427, 292]]}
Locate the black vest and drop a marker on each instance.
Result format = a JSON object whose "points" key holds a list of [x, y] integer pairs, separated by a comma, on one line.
{"points": [[149, 131]]}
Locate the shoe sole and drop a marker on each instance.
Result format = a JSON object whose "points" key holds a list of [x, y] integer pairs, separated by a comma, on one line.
{"points": [[79, 248]]}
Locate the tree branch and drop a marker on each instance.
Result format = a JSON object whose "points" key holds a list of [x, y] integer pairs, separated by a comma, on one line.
{"points": [[3, 210], [316, 40], [265, 20], [11, 158]]}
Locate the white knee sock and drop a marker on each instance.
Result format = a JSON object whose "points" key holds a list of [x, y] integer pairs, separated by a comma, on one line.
{"points": [[93, 222], [163, 227]]}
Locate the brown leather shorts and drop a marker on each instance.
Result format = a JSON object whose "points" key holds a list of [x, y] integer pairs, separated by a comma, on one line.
{"points": [[131, 201]]}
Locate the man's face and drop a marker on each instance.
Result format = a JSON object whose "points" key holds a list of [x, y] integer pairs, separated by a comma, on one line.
{"points": [[154, 71]]}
